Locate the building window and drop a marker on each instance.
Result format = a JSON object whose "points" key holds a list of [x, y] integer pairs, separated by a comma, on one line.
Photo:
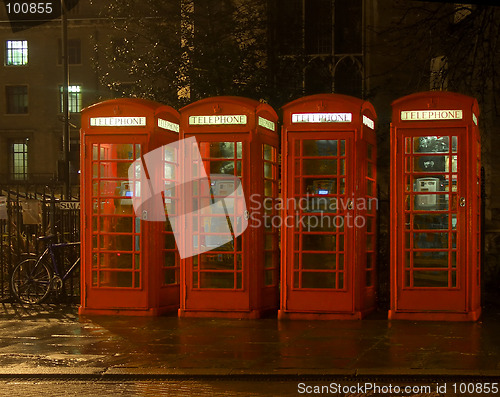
{"points": [[19, 159], [74, 52], [17, 99], [348, 26], [318, 77], [74, 98], [348, 78], [16, 52], [318, 27]]}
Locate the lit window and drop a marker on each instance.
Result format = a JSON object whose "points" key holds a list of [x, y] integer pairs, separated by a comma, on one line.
{"points": [[74, 98], [16, 52], [17, 99], [19, 160]]}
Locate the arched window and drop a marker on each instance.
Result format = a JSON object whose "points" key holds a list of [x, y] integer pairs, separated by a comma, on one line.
{"points": [[318, 77], [348, 77]]}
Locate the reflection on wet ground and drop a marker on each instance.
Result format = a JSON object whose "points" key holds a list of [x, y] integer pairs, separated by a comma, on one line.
{"points": [[57, 337]]}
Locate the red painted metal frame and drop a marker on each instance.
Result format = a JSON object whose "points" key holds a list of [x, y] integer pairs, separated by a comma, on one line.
{"points": [[253, 298], [459, 300], [356, 298], [147, 296]]}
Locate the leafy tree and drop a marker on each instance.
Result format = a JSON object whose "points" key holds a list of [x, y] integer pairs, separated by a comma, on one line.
{"points": [[178, 51]]}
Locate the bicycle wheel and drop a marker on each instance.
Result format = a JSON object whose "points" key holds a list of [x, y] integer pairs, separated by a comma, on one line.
{"points": [[30, 281]]}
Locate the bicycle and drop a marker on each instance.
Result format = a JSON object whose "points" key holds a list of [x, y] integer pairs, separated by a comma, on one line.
{"points": [[34, 278]]}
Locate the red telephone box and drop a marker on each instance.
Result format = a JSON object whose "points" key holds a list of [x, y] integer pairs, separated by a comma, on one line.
{"points": [[329, 208], [129, 263], [239, 278], [435, 207]]}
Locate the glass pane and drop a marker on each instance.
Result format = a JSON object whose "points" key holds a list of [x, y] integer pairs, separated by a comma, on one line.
{"points": [[223, 150], [319, 242], [435, 279], [322, 223], [217, 261], [319, 261], [269, 260], [369, 151], [431, 202], [430, 163], [370, 170], [268, 188], [430, 221], [368, 279], [116, 242], [169, 259], [430, 240], [239, 150], [169, 241], [169, 154], [431, 144], [119, 152], [222, 167], [116, 260], [269, 277], [169, 277], [268, 170], [320, 186], [119, 224], [319, 148], [430, 259], [269, 242], [318, 280], [116, 279], [216, 280], [268, 153], [319, 167]]}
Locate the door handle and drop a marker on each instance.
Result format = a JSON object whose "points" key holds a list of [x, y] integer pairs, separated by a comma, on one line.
{"points": [[462, 201], [350, 205]]}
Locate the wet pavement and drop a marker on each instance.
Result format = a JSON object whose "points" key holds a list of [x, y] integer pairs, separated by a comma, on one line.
{"points": [[52, 340]]}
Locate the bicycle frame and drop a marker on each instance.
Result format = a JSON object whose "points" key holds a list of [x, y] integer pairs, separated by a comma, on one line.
{"points": [[50, 250]]}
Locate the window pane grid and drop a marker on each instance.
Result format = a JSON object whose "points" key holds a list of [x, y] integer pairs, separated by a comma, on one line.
{"points": [[319, 244], [74, 98], [19, 160], [116, 231], [16, 52], [222, 266], [431, 179], [17, 99]]}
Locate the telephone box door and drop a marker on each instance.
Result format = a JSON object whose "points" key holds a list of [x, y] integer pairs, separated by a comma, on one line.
{"points": [[432, 224], [320, 273], [221, 268], [114, 228]]}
